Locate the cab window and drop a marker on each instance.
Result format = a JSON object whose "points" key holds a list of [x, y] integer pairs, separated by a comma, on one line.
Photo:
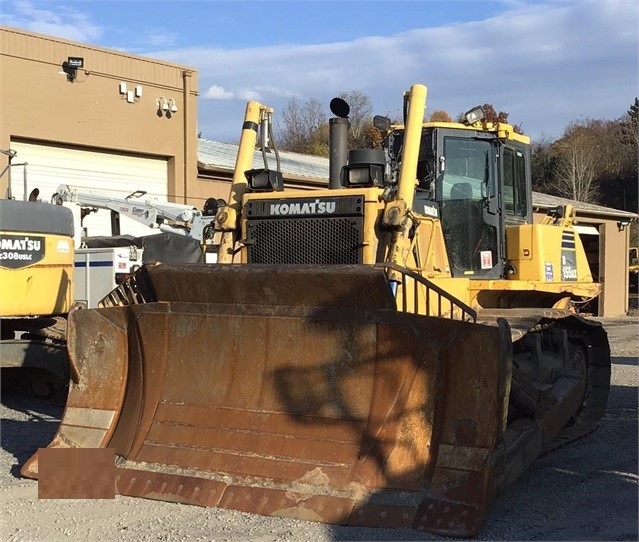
{"points": [[514, 186]]}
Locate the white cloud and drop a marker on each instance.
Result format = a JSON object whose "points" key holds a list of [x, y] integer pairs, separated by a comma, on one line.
{"points": [[545, 63], [161, 38], [271, 90], [64, 22], [248, 95], [215, 92]]}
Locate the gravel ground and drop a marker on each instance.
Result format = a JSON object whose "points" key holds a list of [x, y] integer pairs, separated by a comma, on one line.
{"points": [[584, 491]]}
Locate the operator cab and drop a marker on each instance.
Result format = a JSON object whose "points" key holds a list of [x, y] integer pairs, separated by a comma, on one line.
{"points": [[476, 180]]}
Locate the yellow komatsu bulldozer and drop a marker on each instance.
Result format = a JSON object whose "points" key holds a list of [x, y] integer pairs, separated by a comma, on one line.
{"points": [[392, 351], [36, 292]]}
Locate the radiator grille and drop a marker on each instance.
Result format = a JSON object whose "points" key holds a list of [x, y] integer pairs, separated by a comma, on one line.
{"points": [[296, 240]]}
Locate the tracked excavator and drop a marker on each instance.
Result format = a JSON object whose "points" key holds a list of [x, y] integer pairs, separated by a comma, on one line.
{"points": [[36, 293], [37, 274], [391, 351]]}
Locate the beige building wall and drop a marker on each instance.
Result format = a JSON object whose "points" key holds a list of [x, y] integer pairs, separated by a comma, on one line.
{"points": [[212, 184], [39, 104], [614, 277], [610, 265]]}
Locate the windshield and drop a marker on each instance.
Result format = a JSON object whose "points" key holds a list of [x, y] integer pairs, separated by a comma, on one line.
{"points": [[466, 169]]}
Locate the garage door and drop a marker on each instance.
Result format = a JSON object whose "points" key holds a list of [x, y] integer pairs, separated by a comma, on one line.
{"points": [[112, 174]]}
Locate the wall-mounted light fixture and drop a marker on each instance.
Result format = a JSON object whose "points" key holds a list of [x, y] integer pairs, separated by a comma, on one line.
{"points": [[163, 104], [131, 96], [166, 106], [623, 224], [71, 65]]}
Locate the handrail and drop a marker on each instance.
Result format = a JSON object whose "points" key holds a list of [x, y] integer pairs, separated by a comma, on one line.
{"points": [[464, 312]]}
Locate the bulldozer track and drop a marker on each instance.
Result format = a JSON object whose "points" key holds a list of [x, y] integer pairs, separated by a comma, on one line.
{"points": [[592, 343]]}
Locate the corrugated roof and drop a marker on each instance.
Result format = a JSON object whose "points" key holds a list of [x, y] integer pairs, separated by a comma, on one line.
{"points": [[546, 200], [214, 154], [222, 155]]}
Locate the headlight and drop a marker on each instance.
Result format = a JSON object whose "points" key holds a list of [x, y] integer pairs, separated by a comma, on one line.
{"points": [[260, 180], [364, 175]]}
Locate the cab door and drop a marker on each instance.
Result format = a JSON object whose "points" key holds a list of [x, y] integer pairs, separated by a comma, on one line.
{"points": [[468, 195]]}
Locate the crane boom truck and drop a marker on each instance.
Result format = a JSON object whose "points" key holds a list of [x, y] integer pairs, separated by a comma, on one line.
{"points": [[391, 351], [151, 212]]}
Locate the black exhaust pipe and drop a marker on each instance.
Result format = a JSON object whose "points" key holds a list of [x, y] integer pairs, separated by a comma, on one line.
{"points": [[337, 141], [338, 144]]}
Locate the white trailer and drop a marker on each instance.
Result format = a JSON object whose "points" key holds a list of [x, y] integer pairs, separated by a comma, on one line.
{"points": [[100, 270]]}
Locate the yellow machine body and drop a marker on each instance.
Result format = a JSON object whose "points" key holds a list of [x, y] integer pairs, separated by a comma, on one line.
{"points": [[36, 286], [539, 252], [40, 288]]}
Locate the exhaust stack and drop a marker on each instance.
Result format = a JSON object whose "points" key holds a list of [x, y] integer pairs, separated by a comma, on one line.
{"points": [[338, 141]]}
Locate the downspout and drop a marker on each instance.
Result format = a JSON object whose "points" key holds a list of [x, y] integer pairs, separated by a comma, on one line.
{"points": [[25, 185], [186, 87]]}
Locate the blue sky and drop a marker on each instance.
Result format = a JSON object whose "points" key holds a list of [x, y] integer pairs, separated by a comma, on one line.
{"points": [[545, 62]]}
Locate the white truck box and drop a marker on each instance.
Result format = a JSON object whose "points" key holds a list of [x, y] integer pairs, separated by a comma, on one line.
{"points": [[107, 268]]}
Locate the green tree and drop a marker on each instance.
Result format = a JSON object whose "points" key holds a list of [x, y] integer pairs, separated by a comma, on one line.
{"points": [[630, 126], [619, 183], [359, 117], [317, 143], [305, 128]]}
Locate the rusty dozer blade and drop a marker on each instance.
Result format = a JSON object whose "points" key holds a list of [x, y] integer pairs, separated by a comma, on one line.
{"points": [[291, 391]]}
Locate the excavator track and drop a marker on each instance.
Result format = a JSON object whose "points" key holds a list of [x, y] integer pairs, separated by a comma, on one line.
{"points": [[34, 350]]}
